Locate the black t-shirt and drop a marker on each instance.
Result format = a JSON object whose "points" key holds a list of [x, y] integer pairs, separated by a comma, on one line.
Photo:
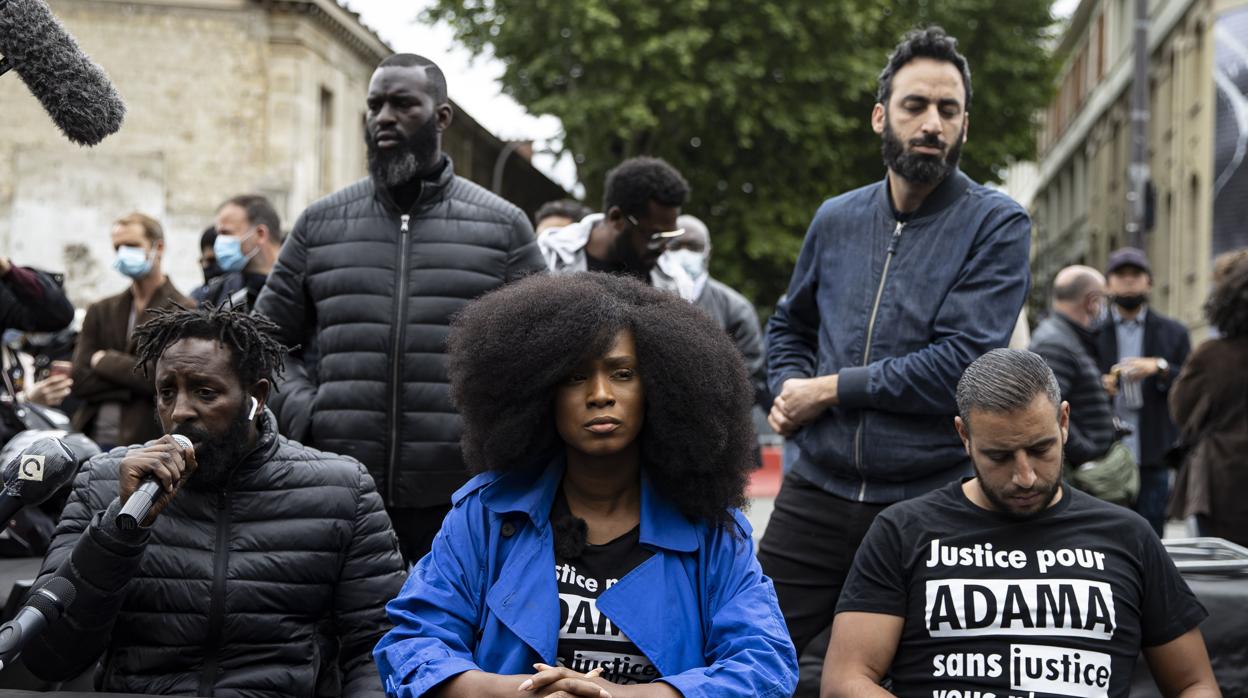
{"points": [[1056, 605], [587, 638]]}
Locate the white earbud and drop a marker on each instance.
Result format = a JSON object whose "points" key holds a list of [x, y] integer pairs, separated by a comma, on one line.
{"points": [[255, 404]]}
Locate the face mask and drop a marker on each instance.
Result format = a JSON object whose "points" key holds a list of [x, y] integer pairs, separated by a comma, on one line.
{"points": [[132, 261], [694, 263], [229, 251], [1131, 302]]}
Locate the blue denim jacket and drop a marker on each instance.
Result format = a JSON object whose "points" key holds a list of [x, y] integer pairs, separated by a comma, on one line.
{"points": [[898, 310], [486, 598]]}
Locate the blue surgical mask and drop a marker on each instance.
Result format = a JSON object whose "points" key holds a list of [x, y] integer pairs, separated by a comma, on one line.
{"points": [[133, 261], [229, 251], [694, 263]]}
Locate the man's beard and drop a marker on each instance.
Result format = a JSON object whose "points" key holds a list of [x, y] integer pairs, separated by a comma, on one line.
{"points": [[1000, 499], [919, 168], [624, 254], [217, 456], [399, 165]]}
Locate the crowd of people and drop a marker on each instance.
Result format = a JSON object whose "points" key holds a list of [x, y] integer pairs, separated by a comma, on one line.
{"points": [[409, 408]]}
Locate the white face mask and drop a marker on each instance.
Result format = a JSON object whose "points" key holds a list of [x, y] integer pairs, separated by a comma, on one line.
{"points": [[694, 263]]}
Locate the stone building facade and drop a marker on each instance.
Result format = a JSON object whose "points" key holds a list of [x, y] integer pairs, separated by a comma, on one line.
{"points": [[1080, 204], [224, 97]]}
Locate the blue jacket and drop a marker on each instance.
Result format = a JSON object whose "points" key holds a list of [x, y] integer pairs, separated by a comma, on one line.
{"points": [[898, 311], [485, 597]]}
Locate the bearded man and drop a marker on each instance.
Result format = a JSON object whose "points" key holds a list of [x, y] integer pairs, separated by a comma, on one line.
{"points": [[898, 287], [263, 565], [371, 276], [1012, 582]]}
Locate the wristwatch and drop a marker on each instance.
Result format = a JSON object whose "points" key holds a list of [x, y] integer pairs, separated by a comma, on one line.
{"points": [[1163, 366]]}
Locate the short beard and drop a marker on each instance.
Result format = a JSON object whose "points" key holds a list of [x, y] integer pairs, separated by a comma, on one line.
{"points": [[216, 457], [398, 166], [624, 254], [918, 168], [1002, 505]]}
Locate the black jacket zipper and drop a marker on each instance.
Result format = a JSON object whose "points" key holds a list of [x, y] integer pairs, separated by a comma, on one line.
{"points": [[396, 358], [216, 608]]}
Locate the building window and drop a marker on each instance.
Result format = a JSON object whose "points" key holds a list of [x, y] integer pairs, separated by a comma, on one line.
{"points": [[1100, 47], [1193, 204], [325, 144], [1126, 26]]}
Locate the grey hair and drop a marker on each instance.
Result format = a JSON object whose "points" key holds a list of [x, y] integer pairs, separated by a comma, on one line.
{"points": [[1005, 380]]}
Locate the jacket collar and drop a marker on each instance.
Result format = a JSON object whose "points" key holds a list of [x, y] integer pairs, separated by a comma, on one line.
{"points": [[1081, 336], [944, 195], [164, 294], [532, 492], [1141, 317], [265, 448], [431, 190]]}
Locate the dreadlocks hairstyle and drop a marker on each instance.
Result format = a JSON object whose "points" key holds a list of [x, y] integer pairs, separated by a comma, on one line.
{"points": [[511, 349], [254, 352]]}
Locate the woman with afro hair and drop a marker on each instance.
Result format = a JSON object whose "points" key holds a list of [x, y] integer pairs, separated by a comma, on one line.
{"points": [[609, 424]]}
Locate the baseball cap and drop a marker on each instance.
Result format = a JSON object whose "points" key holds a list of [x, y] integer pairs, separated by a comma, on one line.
{"points": [[1127, 257]]}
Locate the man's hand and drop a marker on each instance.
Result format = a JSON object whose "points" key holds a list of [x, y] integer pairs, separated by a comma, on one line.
{"points": [[800, 402], [1138, 368], [166, 461], [51, 391], [1110, 382]]}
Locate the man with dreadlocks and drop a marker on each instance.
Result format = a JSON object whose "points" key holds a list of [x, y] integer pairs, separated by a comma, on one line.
{"points": [[264, 564]]}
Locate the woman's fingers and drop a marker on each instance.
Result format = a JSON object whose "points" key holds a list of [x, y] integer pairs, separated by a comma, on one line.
{"points": [[556, 681]]}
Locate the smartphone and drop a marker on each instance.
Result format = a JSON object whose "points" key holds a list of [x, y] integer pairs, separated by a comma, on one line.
{"points": [[61, 368]]}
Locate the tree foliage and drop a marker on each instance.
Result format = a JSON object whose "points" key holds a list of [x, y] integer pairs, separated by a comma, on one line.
{"points": [[763, 105]]}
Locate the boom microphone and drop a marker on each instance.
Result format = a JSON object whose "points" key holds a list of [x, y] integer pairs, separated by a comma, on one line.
{"points": [[139, 505], [43, 608], [72, 89], [35, 474]]}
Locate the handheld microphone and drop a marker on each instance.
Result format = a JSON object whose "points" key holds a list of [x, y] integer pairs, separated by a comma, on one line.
{"points": [[72, 89], [139, 505], [35, 474], [43, 608]]}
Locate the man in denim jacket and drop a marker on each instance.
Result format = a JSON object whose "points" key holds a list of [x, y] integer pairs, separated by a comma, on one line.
{"points": [[899, 286]]}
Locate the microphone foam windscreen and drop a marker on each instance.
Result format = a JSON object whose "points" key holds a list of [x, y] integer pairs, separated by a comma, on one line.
{"points": [[53, 598], [72, 89]]}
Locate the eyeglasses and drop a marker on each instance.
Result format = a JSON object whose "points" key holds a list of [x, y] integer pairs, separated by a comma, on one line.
{"points": [[658, 240]]}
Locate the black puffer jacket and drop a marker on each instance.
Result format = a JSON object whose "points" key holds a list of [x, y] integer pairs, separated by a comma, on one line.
{"points": [[1067, 349], [733, 312], [275, 587], [377, 288]]}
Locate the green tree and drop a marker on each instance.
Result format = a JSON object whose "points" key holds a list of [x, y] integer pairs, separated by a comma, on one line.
{"points": [[763, 105]]}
